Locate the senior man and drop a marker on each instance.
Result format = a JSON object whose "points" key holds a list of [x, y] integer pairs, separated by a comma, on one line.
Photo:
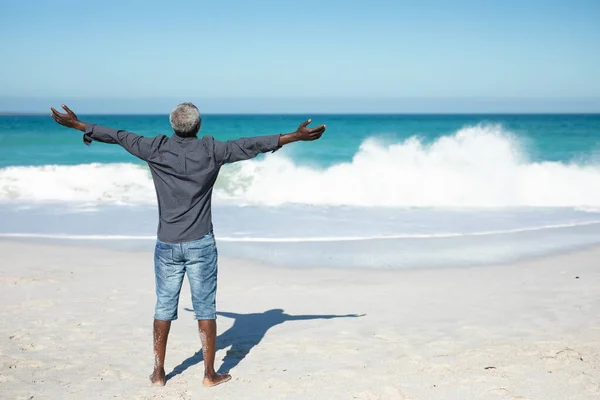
{"points": [[184, 169]]}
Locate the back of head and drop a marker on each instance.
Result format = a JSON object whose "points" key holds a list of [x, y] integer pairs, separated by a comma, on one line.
{"points": [[185, 120]]}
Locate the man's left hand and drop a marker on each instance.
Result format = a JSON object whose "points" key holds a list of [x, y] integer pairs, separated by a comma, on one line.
{"points": [[69, 119]]}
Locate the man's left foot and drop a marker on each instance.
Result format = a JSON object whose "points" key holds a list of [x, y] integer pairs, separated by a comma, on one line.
{"points": [[216, 379], [158, 377]]}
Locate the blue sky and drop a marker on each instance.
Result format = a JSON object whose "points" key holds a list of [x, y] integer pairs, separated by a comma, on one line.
{"points": [[328, 55]]}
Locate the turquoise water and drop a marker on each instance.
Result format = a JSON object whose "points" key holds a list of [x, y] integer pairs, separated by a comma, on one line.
{"points": [[38, 140], [376, 190]]}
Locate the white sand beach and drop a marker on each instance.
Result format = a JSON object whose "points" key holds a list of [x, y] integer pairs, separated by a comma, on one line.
{"points": [[76, 323]]}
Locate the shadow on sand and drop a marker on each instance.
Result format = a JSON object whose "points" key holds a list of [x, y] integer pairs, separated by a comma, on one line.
{"points": [[247, 332]]}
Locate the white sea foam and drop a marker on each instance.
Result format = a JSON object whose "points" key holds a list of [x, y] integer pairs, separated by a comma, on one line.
{"points": [[480, 166], [87, 184]]}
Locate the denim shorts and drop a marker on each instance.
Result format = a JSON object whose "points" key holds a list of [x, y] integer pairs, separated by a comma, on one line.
{"points": [[171, 262]]}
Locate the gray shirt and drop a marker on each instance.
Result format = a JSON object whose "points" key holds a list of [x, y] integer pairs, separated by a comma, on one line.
{"points": [[184, 171]]}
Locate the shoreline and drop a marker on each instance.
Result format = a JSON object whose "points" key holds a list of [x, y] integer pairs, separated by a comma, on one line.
{"points": [[77, 324], [406, 253]]}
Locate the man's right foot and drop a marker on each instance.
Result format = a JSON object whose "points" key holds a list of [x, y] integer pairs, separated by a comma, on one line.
{"points": [[216, 379], [158, 377]]}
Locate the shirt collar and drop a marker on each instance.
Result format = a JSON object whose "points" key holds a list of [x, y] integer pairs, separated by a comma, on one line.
{"points": [[182, 139]]}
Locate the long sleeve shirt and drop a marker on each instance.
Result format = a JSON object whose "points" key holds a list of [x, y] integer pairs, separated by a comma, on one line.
{"points": [[184, 171]]}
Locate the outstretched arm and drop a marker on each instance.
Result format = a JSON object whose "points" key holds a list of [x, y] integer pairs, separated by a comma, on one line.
{"points": [[137, 145], [247, 148]]}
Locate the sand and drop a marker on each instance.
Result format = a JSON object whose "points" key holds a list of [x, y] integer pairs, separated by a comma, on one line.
{"points": [[75, 322]]}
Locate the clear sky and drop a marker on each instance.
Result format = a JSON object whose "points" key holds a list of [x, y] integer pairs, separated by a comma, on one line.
{"points": [[333, 52]]}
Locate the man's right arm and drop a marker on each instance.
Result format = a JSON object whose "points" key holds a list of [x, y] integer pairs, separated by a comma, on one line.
{"points": [[247, 148]]}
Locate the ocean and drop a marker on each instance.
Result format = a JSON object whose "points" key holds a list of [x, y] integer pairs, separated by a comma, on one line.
{"points": [[387, 191]]}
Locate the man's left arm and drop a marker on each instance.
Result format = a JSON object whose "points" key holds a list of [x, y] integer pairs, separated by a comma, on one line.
{"points": [[137, 145]]}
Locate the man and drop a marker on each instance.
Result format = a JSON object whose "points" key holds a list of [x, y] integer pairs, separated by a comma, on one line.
{"points": [[184, 169]]}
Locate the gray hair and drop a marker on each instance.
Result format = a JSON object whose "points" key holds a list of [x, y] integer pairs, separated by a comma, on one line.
{"points": [[185, 119]]}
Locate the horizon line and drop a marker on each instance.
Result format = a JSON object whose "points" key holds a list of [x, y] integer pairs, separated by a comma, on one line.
{"points": [[27, 113]]}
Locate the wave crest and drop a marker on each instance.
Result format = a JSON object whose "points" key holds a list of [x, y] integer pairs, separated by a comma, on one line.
{"points": [[479, 166], [87, 183]]}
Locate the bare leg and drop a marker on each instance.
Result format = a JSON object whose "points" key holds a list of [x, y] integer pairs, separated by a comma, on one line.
{"points": [[208, 336], [161, 334]]}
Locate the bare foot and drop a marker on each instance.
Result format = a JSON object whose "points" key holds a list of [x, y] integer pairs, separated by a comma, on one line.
{"points": [[216, 379], [158, 377]]}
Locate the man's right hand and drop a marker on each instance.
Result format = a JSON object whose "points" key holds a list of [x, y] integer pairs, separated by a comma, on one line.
{"points": [[307, 134], [303, 133], [69, 119]]}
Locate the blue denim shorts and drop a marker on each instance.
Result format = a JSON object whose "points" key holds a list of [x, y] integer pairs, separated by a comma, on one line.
{"points": [[171, 262]]}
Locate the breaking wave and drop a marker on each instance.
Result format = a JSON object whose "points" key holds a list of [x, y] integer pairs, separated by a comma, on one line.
{"points": [[479, 166]]}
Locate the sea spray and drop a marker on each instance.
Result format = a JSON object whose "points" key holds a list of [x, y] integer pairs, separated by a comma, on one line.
{"points": [[477, 166]]}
